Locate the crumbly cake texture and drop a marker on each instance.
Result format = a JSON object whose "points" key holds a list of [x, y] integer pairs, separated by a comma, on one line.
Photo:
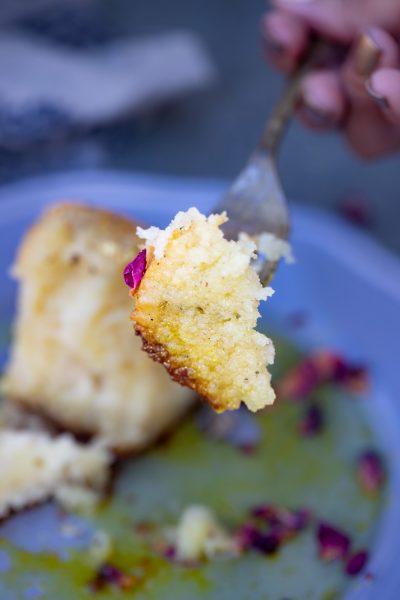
{"points": [[199, 535], [196, 309], [35, 467], [73, 358]]}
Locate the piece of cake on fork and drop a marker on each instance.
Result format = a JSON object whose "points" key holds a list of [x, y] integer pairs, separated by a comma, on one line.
{"points": [[196, 300]]}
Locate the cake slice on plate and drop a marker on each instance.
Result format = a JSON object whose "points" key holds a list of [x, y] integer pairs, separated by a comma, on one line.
{"points": [[73, 359], [196, 300]]}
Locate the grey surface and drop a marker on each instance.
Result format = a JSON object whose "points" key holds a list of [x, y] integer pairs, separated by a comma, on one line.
{"points": [[211, 134]]}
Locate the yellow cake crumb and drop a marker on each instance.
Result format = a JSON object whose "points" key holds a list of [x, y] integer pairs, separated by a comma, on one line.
{"points": [[199, 535]]}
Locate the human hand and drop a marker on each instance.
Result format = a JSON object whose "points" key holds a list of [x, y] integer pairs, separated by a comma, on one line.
{"points": [[365, 104]]}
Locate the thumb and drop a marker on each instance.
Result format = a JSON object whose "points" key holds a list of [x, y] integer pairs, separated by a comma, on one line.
{"points": [[374, 50]]}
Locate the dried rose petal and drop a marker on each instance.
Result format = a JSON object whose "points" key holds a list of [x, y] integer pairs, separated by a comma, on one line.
{"points": [[246, 536], [371, 471], [281, 518], [297, 519], [333, 543], [134, 271], [266, 512], [356, 563], [355, 209], [300, 382], [169, 552], [333, 368], [267, 543], [312, 421], [320, 368], [109, 575], [330, 366]]}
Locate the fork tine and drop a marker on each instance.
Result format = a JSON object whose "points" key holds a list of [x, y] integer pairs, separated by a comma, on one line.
{"points": [[255, 202]]}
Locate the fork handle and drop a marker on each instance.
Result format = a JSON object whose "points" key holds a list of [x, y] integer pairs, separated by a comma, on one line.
{"points": [[283, 112]]}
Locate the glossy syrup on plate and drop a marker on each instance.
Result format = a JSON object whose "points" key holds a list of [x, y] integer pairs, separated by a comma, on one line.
{"points": [[284, 466]]}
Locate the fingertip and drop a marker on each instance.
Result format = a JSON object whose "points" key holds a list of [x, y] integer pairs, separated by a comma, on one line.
{"points": [[388, 46], [285, 39], [384, 89], [323, 102]]}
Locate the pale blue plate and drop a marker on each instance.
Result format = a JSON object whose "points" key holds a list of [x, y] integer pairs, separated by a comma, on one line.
{"points": [[346, 285]]}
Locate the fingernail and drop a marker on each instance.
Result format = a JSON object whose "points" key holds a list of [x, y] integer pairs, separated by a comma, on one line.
{"points": [[317, 117], [366, 55], [379, 100]]}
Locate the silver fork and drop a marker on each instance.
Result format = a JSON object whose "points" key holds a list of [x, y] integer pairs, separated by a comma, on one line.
{"points": [[255, 203]]}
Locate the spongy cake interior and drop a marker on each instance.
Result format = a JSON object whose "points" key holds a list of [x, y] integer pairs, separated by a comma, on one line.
{"points": [[198, 301], [74, 357]]}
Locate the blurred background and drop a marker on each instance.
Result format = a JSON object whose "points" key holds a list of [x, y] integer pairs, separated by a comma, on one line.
{"points": [[178, 88]]}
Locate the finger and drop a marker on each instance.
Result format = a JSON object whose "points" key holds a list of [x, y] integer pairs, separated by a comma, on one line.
{"points": [[286, 39], [329, 17], [343, 20], [384, 90], [375, 49], [370, 134], [323, 101]]}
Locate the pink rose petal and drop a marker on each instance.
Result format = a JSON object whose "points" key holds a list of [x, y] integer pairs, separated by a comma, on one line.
{"points": [[266, 512], [300, 382], [332, 543], [169, 552], [266, 543], [356, 563], [246, 535], [297, 519], [322, 367], [134, 271], [370, 470]]}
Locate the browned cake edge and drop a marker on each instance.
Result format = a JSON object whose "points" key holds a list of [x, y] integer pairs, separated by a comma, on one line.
{"points": [[183, 375]]}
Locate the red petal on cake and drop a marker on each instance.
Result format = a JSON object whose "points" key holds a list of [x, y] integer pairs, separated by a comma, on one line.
{"points": [[371, 471], [333, 543], [134, 271], [356, 563]]}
